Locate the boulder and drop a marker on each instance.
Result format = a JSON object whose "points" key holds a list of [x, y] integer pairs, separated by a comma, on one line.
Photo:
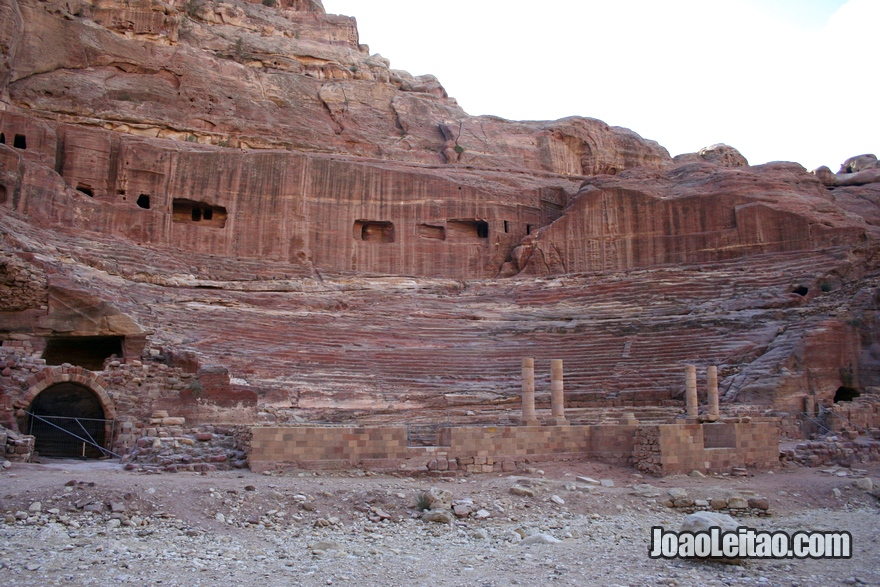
{"points": [[703, 521], [859, 163], [737, 503], [865, 484], [723, 155], [442, 516], [436, 498], [677, 493], [522, 491]]}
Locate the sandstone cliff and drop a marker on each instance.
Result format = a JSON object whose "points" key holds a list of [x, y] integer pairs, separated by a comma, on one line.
{"points": [[233, 185]]}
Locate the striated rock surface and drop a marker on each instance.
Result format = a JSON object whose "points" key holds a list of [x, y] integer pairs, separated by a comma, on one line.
{"points": [[265, 222], [695, 213]]}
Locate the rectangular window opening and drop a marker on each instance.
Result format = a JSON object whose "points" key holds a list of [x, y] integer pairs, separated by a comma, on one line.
{"points": [[2, 139], [19, 142], [88, 352], [189, 212], [373, 231], [506, 226]]}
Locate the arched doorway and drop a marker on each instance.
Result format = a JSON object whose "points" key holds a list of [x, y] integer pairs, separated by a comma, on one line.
{"points": [[68, 420]]}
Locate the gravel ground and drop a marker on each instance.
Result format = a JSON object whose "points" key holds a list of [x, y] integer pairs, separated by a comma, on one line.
{"points": [[243, 529]]}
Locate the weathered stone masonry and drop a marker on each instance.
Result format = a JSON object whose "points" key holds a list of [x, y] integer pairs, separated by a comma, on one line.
{"points": [[130, 392], [659, 449]]}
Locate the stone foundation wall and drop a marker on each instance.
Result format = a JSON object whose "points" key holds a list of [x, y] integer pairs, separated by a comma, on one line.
{"points": [[860, 415], [667, 449], [659, 450], [176, 448], [613, 443], [470, 449], [513, 441], [834, 451]]}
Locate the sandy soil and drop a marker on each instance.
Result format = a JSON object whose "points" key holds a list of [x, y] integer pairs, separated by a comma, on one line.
{"points": [[351, 528]]}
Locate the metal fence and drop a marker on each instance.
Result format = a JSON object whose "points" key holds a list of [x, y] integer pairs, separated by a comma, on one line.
{"points": [[83, 438]]}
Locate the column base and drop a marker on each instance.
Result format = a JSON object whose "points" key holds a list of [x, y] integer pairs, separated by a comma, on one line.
{"points": [[558, 422], [529, 422]]}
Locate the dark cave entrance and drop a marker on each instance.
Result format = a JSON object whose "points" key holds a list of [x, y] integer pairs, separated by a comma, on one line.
{"points": [[846, 394], [65, 419], [88, 352]]}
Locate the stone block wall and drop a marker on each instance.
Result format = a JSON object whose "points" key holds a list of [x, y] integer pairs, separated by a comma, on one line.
{"points": [[659, 450], [510, 441], [613, 443], [667, 449], [860, 415], [310, 445], [176, 447], [834, 451], [470, 449]]}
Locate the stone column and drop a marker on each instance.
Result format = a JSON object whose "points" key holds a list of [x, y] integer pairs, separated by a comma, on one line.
{"points": [[528, 394], [690, 391], [557, 394], [712, 392], [809, 405]]}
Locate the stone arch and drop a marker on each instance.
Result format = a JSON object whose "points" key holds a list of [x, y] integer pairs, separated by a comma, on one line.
{"points": [[69, 377], [53, 375]]}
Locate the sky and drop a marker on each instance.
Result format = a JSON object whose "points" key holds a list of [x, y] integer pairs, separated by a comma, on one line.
{"points": [[780, 80]]}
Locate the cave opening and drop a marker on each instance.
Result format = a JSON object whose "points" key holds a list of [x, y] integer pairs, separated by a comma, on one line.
{"points": [[846, 394], [801, 290], [86, 189], [19, 142], [88, 352], [143, 201]]}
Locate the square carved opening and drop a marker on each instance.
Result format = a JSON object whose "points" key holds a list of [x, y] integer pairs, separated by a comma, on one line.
{"points": [[373, 231]]}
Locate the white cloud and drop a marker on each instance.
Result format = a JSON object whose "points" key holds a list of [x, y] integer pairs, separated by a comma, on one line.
{"points": [[687, 73]]}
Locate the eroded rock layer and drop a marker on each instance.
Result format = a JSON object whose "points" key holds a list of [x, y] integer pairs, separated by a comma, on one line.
{"points": [[251, 217]]}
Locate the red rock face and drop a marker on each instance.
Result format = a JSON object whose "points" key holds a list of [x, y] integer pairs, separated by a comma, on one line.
{"points": [[243, 185], [692, 214], [285, 206]]}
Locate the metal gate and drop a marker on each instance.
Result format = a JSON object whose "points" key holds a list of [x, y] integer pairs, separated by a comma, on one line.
{"points": [[83, 438]]}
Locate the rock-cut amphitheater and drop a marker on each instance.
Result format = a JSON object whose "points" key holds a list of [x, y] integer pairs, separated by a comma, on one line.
{"points": [[230, 235]]}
